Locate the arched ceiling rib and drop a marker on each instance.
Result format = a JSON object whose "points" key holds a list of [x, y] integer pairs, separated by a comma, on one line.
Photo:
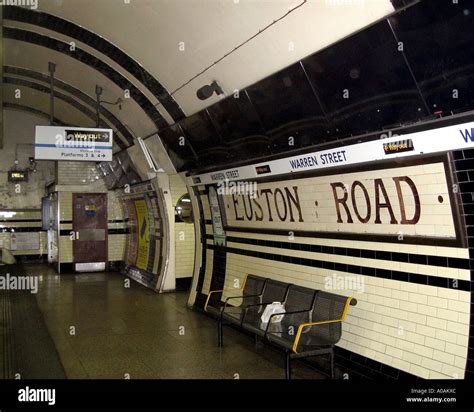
{"points": [[105, 47], [41, 99], [91, 61], [33, 111], [112, 119], [82, 77]]}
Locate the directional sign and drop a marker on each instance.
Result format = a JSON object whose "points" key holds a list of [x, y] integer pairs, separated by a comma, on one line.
{"points": [[73, 143]]}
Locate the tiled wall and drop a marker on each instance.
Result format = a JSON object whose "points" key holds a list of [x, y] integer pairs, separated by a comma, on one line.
{"points": [[183, 233], [464, 167], [413, 314], [76, 173], [21, 221], [19, 138]]}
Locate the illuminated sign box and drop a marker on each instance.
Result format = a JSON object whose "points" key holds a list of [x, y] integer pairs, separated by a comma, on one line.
{"points": [[18, 176], [73, 143]]}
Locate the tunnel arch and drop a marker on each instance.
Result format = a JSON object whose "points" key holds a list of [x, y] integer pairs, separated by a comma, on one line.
{"points": [[46, 90], [32, 110], [94, 63], [55, 23], [31, 74]]}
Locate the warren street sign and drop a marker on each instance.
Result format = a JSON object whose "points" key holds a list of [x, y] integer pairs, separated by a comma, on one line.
{"points": [[73, 143]]}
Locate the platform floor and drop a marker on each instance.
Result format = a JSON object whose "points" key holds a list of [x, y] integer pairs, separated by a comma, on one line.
{"points": [[96, 328]]}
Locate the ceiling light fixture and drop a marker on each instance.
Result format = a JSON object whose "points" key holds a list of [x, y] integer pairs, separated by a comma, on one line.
{"points": [[208, 90]]}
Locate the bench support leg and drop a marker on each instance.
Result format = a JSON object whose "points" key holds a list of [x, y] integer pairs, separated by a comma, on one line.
{"points": [[287, 365], [220, 336]]}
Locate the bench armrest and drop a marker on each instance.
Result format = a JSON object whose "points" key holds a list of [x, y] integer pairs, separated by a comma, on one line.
{"points": [[209, 297], [349, 301], [223, 290], [304, 325]]}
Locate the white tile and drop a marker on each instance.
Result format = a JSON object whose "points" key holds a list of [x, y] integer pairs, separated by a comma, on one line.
{"points": [[407, 325], [408, 287], [405, 345], [463, 318], [428, 290], [423, 351], [436, 322], [419, 371], [459, 306], [460, 362], [399, 294], [401, 364], [446, 336], [408, 306], [437, 302], [412, 358], [426, 330], [394, 352], [426, 310], [438, 375], [377, 346], [447, 314], [393, 303], [432, 364], [417, 318], [450, 294], [415, 337], [417, 298], [462, 340], [443, 357], [458, 328], [456, 349], [453, 371]]}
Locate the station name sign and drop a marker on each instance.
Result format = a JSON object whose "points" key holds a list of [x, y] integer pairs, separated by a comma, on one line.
{"points": [[386, 201], [439, 140], [73, 143]]}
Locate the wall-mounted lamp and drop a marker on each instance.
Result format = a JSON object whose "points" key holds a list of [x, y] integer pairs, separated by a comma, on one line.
{"points": [[98, 93], [208, 90]]}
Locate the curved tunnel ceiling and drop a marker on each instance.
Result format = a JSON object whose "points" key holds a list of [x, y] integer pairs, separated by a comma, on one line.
{"points": [[145, 54], [91, 61], [125, 135], [33, 111], [172, 48], [39, 100], [187, 44], [34, 94], [32, 57], [72, 30]]}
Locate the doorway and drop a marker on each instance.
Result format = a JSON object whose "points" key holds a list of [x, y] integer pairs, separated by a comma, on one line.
{"points": [[89, 224]]}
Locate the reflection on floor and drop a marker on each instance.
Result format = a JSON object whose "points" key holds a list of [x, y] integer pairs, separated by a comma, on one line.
{"points": [[103, 330]]}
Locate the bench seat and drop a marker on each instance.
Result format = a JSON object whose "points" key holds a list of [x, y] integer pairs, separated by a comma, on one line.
{"points": [[311, 322]]}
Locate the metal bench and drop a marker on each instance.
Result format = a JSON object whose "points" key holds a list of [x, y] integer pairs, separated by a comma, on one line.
{"points": [[311, 323]]}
